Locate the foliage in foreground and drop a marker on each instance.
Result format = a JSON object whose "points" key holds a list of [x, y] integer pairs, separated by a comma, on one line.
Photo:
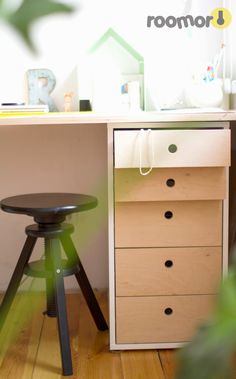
{"points": [[210, 354], [27, 13]]}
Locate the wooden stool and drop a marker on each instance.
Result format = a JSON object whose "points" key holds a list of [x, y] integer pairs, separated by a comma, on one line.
{"points": [[49, 211]]}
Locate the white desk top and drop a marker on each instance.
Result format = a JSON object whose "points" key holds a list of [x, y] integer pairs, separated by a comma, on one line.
{"points": [[94, 118]]}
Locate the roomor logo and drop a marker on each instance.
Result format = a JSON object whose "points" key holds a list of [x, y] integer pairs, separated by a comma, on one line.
{"points": [[220, 18]]}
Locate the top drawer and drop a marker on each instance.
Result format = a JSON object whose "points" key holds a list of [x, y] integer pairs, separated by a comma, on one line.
{"points": [[171, 148]]}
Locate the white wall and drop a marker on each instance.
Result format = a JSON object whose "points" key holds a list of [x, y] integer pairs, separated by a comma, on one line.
{"points": [[171, 55], [56, 158], [231, 40]]}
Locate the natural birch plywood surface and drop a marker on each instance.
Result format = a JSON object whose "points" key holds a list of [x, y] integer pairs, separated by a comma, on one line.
{"points": [[170, 184], [145, 224], [160, 319], [33, 349], [168, 271]]}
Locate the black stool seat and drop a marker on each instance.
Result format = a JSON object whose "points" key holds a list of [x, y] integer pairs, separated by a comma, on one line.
{"points": [[49, 211], [46, 207]]}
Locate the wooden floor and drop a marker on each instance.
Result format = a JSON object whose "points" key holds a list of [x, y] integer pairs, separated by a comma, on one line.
{"points": [[30, 348]]}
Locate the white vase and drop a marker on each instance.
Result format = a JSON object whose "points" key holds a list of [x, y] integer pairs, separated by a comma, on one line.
{"points": [[204, 94]]}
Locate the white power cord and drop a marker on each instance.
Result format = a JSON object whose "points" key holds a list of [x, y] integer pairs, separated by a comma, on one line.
{"points": [[142, 133]]}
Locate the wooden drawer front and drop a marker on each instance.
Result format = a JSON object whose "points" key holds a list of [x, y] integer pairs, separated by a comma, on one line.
{"points": [[170, 184], [143, 319], [168, 271], [194, 148], [147, 224]]}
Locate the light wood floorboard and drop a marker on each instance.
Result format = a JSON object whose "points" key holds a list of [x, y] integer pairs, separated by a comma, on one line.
{"points": [[30, 346]]}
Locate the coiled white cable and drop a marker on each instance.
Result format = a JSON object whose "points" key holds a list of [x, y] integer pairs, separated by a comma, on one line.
{"points": [[149, 137]]}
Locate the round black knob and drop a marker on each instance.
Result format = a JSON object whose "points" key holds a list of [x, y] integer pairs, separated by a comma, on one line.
{"points": [[172, 148], [168, 214], [169, 263], [170, 182], [168, 311]]}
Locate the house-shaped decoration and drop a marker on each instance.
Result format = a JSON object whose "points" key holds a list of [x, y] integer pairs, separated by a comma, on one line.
{"points": [[127, 61]]}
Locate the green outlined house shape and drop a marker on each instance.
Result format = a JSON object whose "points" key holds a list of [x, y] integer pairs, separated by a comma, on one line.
{"points": [[128, 49], [129, 61]]}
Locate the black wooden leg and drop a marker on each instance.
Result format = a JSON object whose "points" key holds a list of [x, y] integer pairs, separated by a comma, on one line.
{"points": [[83, 282], [53, 246], [50, 290], [16, 278], [51, 301]]}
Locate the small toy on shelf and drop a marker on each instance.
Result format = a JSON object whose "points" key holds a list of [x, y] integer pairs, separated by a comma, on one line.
{"points": [[68, 101]]}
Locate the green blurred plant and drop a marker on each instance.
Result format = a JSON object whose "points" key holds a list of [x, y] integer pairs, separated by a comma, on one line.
{"points": [[210, 355], [27, 13]]}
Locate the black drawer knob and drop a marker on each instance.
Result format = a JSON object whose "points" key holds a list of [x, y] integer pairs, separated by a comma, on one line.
{"points": [[168, 311], [169, 263], [168, 214], [172, 148], [170, 182]]}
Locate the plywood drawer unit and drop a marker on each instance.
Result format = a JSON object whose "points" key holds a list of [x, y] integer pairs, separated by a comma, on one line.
{"points": [[169, 230], [172, 148], [160, 318], [168, 271], [163, 184], [173, 223]]}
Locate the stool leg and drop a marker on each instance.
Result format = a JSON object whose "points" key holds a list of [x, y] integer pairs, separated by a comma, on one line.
{"points": [[16, 278], [83, 282], [50, 290], [51, 301], [53, 248]]}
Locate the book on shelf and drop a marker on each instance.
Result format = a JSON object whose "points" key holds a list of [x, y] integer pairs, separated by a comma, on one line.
{"points": [[21, 108]]}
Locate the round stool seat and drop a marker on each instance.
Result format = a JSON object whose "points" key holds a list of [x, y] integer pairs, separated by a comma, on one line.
{"points": [[48, 207]]}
